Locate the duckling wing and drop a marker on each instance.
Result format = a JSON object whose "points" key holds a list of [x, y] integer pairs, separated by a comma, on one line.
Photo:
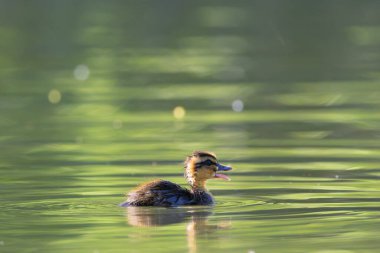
{"points": [[159, 193]]}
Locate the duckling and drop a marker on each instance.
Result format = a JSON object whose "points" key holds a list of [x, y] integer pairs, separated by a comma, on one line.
{"points": [[199, 167]]}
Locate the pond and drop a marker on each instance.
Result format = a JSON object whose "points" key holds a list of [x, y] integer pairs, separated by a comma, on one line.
{"points": [[99, 96]]}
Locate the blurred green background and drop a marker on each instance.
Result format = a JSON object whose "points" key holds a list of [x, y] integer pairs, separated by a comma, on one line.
{"points": [[98, 96]]}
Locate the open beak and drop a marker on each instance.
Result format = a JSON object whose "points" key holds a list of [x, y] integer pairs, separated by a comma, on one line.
{"points": [[222, 168]]}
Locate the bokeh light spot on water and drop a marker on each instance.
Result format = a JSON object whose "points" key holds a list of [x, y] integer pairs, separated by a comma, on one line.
{"points": [[81, 72], [237, 105], [179, 112], [54, 96]]}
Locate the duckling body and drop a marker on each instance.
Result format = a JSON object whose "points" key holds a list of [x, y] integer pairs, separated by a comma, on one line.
{"points": [[199, 167], [164, 193]]}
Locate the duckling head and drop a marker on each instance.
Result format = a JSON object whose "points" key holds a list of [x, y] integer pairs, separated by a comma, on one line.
{"points": [[201, 166]]}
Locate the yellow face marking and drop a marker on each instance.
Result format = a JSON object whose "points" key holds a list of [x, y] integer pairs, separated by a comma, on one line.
{"points": [[197, 174], [206, 171], [204, 174]]}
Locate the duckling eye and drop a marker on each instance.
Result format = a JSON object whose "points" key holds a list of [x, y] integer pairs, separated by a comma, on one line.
{"points": [[207, 163]]}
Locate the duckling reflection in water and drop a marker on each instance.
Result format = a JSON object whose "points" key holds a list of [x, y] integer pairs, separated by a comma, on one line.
{"points": [[199, 167], [154, 217], [197, 217]]}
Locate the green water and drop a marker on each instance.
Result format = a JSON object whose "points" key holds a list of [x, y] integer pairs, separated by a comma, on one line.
{"points": [[88, 91]]}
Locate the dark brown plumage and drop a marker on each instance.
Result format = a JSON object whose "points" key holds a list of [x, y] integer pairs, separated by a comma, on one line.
{"points": [[199, 167]]}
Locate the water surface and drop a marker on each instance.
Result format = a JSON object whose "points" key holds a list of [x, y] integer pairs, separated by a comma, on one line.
{"points": [[287, 92]]}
